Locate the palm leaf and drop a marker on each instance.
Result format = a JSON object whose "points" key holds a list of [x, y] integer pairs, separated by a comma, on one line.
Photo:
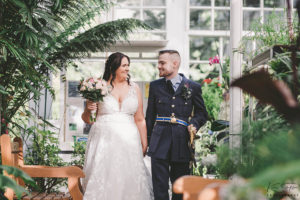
{"points": [[97, 39]]}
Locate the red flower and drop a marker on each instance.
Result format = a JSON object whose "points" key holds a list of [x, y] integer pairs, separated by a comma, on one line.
{"points": [[6, 131], [219, 84], [208, 81]]}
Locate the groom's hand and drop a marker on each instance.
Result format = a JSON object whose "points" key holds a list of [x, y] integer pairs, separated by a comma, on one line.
{"points": [[192, 129]]}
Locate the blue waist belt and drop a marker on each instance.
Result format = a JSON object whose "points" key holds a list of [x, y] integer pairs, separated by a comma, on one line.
{"points": [[172, 120]]}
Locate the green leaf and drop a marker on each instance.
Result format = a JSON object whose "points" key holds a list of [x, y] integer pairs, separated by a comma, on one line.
{"points": [[219, 125], [18, 173], [6, 182], [277, 174]]}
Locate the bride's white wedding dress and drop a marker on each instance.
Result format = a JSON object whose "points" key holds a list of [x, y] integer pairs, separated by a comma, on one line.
{"points": [[114, 167]]}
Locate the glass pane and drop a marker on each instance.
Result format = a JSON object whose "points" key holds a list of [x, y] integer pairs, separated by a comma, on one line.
{"points": [[154, 2], [222, 20], [274, 15], [143, 71], [202, 48], [226, 47], [127, 13], [200, 19], [251, 3], [200, 2], [155, 18], [248, 54], [222, 3], [129, 2], [249, 17], [274, 3], [85, 69], [198, 72]]}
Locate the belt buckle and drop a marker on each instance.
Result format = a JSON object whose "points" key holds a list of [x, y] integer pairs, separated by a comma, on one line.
{"points": [[173, 120]]}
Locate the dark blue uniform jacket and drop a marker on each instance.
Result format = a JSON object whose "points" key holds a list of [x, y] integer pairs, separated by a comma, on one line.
{"points": [[166, 140]]}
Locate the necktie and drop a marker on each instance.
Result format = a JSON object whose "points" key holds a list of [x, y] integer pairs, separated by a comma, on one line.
{"points": [[170, 86]]}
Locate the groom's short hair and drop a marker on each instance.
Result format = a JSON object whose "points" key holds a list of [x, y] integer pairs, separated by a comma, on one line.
{"points": [[169, 51], [173, 53]]}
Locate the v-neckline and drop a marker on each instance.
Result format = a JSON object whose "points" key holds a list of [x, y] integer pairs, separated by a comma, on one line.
{"points": [[120, 104]]}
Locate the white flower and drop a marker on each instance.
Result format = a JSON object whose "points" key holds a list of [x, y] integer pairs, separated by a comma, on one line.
{"points": [[99, 86], [210, 159], [85, 84], [103, 92], [82, 88], [90, 85]]}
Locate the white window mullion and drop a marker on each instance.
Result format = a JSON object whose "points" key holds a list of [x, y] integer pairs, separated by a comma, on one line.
{"points": [[212, 15]]}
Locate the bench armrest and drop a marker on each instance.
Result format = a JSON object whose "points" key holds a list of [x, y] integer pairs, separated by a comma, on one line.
{"points": [[73, 173], [53, 172]]}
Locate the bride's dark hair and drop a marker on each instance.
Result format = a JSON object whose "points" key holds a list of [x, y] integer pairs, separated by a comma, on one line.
{"points": [[112, 63]]}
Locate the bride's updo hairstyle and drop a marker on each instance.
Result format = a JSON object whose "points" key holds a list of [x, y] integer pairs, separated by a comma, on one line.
{"points": [[112, 63]]}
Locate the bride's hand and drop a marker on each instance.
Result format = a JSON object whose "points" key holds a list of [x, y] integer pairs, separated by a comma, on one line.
{"points": [[144, 150], [91, 105]]}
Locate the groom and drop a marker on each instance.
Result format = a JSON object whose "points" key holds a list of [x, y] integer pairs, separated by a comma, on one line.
{"points": [[175, 108]]}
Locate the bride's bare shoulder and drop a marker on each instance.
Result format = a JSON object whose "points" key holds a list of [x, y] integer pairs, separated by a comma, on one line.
{"points": [[135, 86]]}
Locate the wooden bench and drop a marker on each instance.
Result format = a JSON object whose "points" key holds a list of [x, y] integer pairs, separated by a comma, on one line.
{"points": [[12, 155], [198, 188]]}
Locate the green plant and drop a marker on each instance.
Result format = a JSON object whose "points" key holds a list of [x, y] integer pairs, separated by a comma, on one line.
{"points": [[273, 31], [42, 149], [6, 182], [212, 94], [78, 155], [40, 37]]}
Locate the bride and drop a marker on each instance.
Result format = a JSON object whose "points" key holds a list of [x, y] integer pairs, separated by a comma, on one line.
{"points": [[114, 166]]}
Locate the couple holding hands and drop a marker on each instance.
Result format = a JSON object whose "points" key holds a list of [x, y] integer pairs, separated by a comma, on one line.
{"points": [[117, 143]]}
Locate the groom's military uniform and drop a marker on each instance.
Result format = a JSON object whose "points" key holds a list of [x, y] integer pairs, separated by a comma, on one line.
{"points": [[172, 106]]}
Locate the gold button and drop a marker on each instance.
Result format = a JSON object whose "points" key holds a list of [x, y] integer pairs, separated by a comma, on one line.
{"points": [[174, 98], [173, 106]]}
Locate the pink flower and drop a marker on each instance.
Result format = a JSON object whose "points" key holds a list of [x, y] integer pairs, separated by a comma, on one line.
{"points": [[215, 60], [91, 80]]}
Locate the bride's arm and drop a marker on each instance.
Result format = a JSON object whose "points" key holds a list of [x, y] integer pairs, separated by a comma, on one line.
{"points": [[87, 111], [140, 120]]}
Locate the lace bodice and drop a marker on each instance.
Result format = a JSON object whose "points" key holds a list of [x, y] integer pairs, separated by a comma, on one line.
{"points": [[111, 106]]}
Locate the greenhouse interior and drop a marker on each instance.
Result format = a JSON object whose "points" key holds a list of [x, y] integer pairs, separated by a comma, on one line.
{"points": [[150, 99]]}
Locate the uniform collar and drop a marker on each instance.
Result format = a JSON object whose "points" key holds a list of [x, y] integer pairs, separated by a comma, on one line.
{"points": [[176, 80]]}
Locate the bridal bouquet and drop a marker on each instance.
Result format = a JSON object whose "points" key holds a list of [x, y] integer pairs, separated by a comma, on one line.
{"points": [[93, 89]]}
